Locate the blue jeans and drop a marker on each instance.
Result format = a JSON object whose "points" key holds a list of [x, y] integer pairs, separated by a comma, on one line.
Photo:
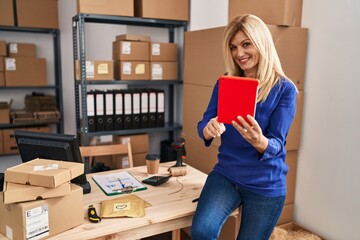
{"points": [[219, 198]]}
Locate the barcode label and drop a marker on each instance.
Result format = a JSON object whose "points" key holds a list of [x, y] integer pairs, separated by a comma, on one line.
{"points": [[37, 222]]}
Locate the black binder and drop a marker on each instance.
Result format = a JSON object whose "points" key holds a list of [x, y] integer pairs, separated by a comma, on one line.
{"points": [[136, 109], [152, 108], [90, 102], [99, 110], [127, 109], [160, 108], [109, 110], [119, 109], [144, 110]]}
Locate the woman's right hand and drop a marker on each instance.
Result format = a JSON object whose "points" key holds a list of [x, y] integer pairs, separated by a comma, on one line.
{"points": [[213, 129]]}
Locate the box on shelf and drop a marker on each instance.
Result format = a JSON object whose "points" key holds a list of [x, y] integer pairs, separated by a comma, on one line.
{"points": [[7, 13], [4, 113], [108, 7], [133, 37], [164, 71], [21, 50], [37, 13], [1, 143], [163, 52], [2, 79], [275, 12], [3, 51], [14, 192], [163, 9], [97, 70], [44, 172], [10, 146], [132, 70], [139, 142], [25, 71], [125, 50], [52, 216]]}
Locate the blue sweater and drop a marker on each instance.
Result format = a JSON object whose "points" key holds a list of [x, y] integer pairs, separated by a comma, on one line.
{"points": [[239, 161]]}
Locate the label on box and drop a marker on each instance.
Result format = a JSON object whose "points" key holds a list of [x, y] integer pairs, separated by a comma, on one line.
{"points": [[140, 68], [103, 68], [126, 48], [9, 232], [10, 64], [155, 50], [156, 71], [37, 222], [126, 68], [13, 48], [90, 69], [45, 167]]}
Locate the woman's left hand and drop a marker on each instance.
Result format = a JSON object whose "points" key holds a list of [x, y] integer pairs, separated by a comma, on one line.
{"points": [[251, 133]]}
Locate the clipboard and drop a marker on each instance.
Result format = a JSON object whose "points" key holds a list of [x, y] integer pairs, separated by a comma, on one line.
{"points": [[236, 97], [118, 183]]}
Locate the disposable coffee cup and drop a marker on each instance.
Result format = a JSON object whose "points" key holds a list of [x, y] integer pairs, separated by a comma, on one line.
{"points": [[152, 163]]}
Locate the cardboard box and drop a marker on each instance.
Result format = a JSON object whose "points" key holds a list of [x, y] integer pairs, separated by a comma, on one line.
{"points": [[291, 45], [25, 71], [14, 192], [42, 218], [120, 162], [292, 226], [163, 52], [294, 136], [164, 71], [10, 146], [44, 172], [276, 12], [4, 113], [133, 37], [37, 13], [7, 13], [21, 50], [131, 50], [2, 64], [1, 143], [291, 161], [108, 7], [287, 214], [163, 9], [202, 49], [132, 70], [139, 142], [3, 51], [2, 79], [97, 70]]}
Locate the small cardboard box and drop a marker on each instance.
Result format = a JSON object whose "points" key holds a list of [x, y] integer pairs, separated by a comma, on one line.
{"points": [[3, 47], [25, 71], [97, 70], [276, 12], [132, 70], [108, 7], [44, 172], [21, 50], [37, 13], [133, 37], [1, 143], [164, 71], [42, 218], [163, 52], [2, 78], [4, 113], [14, 192], [2, 64], [7, 13], [163, 9], [139, 142], [125, 50], [10, 146]]}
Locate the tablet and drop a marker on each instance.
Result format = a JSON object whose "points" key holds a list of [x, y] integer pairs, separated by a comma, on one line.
{"points": [[237, 97]]}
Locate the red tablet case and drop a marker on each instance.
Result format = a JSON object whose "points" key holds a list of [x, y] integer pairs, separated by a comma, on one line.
{"points": [[237, 97]]}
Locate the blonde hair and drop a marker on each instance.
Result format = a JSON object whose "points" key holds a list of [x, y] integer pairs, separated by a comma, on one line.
{"points": [[269, 69]]}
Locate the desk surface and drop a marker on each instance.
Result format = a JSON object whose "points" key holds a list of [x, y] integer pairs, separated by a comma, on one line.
{"points": [[171, 209]]}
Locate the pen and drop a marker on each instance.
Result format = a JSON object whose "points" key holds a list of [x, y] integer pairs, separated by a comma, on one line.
{"points": [[195, 200]]}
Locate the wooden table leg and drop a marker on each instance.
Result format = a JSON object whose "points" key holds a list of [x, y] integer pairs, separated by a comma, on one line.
{"points": [[176, 234]]}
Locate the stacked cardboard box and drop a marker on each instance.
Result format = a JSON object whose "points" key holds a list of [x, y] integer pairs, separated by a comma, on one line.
{"points": [[39, 192], [3, 54], [203, 48], [96, 70], [163, 61]]}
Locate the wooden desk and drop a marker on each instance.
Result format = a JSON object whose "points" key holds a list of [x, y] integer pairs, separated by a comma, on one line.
{"points": [[171, 210]]}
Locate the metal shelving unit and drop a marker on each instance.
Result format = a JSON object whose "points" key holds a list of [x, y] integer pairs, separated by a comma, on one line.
{"points": [[57, 87], [79, 51]]}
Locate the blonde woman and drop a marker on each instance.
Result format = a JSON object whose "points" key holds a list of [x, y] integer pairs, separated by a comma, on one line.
{"points": [[251, 167]]}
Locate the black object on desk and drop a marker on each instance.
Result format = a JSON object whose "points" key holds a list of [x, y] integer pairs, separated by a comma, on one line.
{"points": [[156, 180]]}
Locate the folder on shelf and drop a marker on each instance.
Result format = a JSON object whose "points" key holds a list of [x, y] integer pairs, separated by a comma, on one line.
{"points": [[109, 110], [99, 110], [237, 97], [144, 110], [152, 108], [90, 102], [127, 109], [160, 108], [136, 109], [119, 110]]}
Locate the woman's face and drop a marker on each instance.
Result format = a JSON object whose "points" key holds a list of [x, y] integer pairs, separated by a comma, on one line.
{"points": [[244, 54]]}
